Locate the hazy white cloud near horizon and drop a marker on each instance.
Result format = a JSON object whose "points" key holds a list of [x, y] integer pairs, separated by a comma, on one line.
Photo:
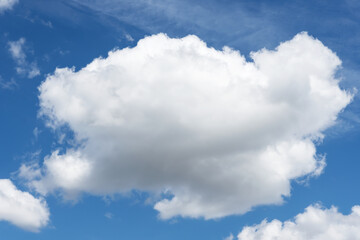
{"points": [[214, 133]]}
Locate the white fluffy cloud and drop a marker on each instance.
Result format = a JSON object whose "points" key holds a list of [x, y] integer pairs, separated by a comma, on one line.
{"points": [[314, 224], [215, 133], [7, 4], [16, 49], [21, 208]]}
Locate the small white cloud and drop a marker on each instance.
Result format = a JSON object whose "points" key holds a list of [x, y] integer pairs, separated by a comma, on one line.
{"points": [[7, 4], [230, 237], [16, 49], [215, 133], [21, 208], [47, 23], [11, 84], [129, 37], [33, 70], [36, 133], [315, 223], [109, 215]]}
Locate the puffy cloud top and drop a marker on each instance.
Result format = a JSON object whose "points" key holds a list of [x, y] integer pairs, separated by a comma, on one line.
{"points": [[314, 224], [21, 208], [217, 134]]}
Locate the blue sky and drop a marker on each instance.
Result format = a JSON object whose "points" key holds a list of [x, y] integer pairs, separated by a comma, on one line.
{"points": [[38, 36]]}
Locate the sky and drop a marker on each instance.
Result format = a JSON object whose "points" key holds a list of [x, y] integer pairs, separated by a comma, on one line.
{"points": [[179, 119]]}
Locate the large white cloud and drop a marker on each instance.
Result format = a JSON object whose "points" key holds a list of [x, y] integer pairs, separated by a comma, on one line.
{"points": [[7, 4], [315, 223], [21, 208], [215, 133]]}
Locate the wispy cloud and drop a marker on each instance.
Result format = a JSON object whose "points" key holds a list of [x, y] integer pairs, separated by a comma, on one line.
{"points": [[109, 215], [23, 67], [11, 84], [186, 17], [39, 20], [129, 37]]}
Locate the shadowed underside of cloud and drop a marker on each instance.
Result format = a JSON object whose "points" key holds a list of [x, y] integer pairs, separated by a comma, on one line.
{"points": [[21, 208], [216, 133], [314, 224]]}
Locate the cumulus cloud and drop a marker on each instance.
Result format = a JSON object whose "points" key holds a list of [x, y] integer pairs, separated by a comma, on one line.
{"points": [[209, 132], [16, 49], [21, 208], [7, 4], [315, 223]]}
